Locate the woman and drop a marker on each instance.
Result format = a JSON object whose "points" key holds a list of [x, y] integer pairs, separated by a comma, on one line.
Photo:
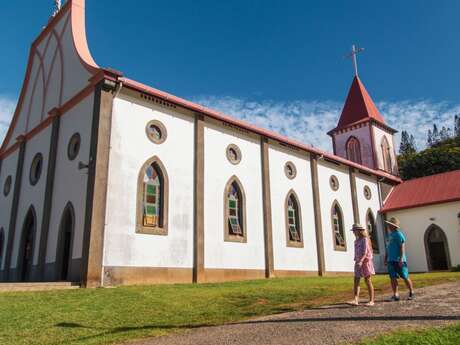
{"points": [[364, 266]]}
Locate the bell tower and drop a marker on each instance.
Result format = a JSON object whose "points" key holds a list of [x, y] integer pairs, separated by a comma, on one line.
{"points": [[361, 134]]}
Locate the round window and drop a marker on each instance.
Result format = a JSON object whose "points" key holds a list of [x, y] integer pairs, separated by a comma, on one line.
{"points": [[334, 182], [233, 154], [36, 169], [290, 170], [367, 192], [156, 131], [74, 146], [7, 186]]}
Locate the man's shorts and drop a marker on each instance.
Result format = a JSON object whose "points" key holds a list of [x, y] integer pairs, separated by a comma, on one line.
{"points": [[396, 271]]}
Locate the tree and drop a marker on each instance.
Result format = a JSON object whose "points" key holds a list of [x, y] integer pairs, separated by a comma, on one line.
{"points": [[445, 133], [412, 144], [442, 157], [407, 146], [457, 126], [429, 139], [435, 134]]}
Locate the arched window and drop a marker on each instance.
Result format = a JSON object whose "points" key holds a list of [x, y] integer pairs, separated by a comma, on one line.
{"points": [[2, 245], [386, 155], [338, 227], [235, 211], [152, 200], [293, 221], [372, 230], [354, 150]]}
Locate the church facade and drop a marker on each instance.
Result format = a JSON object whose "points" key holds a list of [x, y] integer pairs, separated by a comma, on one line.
{"points": [[107, 181]]}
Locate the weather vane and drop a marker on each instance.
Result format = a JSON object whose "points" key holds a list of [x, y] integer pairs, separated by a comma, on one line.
{"points": [[57, 6], [354, 51]]}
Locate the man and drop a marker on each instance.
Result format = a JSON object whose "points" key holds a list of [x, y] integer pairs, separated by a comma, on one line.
{"points": [[395, 258]]}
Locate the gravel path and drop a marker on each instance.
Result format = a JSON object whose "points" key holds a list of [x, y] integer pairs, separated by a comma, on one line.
{"points": [[335, 324]]}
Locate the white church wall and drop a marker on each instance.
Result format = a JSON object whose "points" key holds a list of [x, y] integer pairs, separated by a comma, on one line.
{"points": [[374, 205], [217, 172], [8, 168], [378, 135], [32, 195], [364, 136], [414, 224], [336, 261], [70, 183], [284, 257], [130, 149]]}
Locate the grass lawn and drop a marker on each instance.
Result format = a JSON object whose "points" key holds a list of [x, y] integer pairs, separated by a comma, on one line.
{"points": [[105, 316], [433, 336]]}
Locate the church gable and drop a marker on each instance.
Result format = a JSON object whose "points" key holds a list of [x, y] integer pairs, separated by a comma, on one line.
{"points": [[59, 67]]}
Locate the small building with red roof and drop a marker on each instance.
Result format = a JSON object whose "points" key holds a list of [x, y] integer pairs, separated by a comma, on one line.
{"points": [[429, 211]]}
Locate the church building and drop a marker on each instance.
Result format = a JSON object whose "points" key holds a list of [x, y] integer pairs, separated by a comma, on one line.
{"points": [[107, 181]]}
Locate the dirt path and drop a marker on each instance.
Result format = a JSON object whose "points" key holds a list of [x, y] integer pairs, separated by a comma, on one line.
{"points": [[435, 306]]}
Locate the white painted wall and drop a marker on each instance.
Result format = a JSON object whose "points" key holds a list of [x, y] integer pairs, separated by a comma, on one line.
{"points": [[415, 222], [130, 149], [336, 261], [363, 134], [32, 195], [70, 183], [8, 168], [218, 170], [378, 135], [289, 258]]}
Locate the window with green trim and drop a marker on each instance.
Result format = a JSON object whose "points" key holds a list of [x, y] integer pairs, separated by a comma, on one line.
{"points": [[153, 197]]}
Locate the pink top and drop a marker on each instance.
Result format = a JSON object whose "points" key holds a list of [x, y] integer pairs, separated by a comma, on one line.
{"points": [[363, 250]]}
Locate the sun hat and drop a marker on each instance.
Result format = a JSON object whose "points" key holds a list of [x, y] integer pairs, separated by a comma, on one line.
{"points": [[357, 226], [393, 221]]}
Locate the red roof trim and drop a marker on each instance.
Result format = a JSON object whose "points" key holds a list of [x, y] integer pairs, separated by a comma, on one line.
{"points": [[385, 210], [242, 124]]}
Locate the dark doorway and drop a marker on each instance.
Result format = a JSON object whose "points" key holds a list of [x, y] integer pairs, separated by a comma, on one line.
{"points": [[437, 249], [26, 250], [64, 253]]}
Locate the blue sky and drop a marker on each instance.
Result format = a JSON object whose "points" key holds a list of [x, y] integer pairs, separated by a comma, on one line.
{"points": [[278, 64]]}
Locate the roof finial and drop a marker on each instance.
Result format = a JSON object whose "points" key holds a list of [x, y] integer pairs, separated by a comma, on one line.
{"points": [[57, 7], [354, 51]]}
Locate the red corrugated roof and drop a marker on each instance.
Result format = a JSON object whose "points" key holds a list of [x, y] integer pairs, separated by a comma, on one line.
{"points": [[424, 191], [358, 106]]}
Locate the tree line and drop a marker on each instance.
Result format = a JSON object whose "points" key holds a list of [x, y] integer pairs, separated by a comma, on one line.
{"points": [[441, 154]]}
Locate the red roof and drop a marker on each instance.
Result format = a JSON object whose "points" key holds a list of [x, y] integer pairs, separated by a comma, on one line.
{"points": [[429, 190], [358, 106]]}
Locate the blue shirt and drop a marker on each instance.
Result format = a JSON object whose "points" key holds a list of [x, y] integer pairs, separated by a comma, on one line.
{"points": [[396, 239]]}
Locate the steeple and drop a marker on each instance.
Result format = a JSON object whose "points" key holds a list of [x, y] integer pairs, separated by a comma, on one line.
{"points": [[358, 106], [361, 135]]}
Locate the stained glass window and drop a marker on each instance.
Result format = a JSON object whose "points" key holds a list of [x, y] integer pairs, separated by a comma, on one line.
{"points": [[293, 219], [153, 190], [337, 227], [234, 206], [372, 230]]}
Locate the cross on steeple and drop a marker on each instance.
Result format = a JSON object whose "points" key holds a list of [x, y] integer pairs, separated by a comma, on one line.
{"points": [[354, 51]]}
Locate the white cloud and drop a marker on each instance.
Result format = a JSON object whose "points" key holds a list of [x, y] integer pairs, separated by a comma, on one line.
{"points": [[309, 121], [7, 106]]}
